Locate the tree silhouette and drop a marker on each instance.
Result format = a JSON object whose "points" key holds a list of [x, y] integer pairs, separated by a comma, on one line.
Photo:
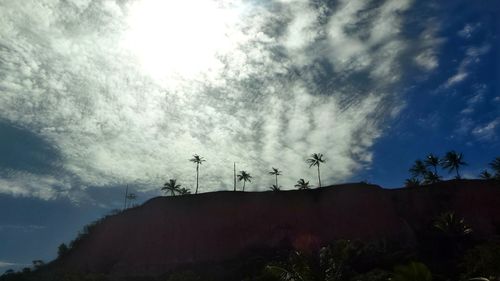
{"points": [[302, 184], [130, 198], [432, 161], [198, 160], [244, 176], [485, 175], [172, 187], [495, 166], [453, 161], [431, 177], [412, 272], [451, 225], [412, 182], [184, 191], [315, 160], [418, 169], [275, 172], [274, 188]]}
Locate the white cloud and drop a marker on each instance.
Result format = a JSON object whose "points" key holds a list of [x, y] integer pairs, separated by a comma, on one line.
{"points": [[488, 131], [468, 30], [472, 56], [119, 114]]}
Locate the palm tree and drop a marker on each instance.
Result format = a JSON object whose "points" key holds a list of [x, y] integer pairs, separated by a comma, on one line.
{"points": [[244, 176], [431, 177], [184, 191], [495, 165], [198, 160], [452, 161], [275, 172], [451, 225], [412, 182], [131, 197], [302, 184], [315, 160], [172, 187], [432, 161], [274, 188], [485, 175], [418, 169]]}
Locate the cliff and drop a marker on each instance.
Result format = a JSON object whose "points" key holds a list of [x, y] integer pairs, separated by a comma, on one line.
{"points": [[167, 232]]}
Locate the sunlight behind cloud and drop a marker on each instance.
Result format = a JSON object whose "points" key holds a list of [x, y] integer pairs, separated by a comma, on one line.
{"points": [[180, 38]]}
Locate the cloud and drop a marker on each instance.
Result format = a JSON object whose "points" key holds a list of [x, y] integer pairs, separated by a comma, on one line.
{"points": [[469, 29], [472, 56], [488, 131], [24, 228], [279, 81], [7, 264]]}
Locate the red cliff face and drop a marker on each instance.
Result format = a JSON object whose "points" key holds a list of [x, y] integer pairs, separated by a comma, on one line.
{"points": [[167, 232]]}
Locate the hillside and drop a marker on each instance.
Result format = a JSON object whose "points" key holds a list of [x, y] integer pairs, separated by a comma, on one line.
{"points": [[168, 232]]}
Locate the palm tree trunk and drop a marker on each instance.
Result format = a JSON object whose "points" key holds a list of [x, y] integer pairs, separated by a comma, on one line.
{"points": [[197, 169], [244, 185], [435, 170], [126, 194], [234, 176], [276, 180], [319, 177], [458, 175]]}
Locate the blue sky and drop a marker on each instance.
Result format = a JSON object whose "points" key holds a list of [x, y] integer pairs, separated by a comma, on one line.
{"points": [[95, 95]]}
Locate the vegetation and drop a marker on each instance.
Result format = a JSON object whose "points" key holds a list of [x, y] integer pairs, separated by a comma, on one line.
{"points": [[453, 161], [274, 188], [244, 176], [276, 173], [172, 187], [198, 161], [302, 184], [316, 160]]}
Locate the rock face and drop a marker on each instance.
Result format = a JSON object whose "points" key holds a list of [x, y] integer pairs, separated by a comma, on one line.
{"points": [[167, 232]]}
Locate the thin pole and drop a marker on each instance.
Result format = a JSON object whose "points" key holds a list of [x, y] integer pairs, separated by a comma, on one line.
{"points": [[234, 176], [126, 194]]}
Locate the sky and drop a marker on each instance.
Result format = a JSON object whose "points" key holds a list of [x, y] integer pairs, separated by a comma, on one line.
{"points": [[96, 95]]}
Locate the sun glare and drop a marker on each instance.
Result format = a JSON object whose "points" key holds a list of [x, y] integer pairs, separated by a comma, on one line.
{"points": [[179, 38]]}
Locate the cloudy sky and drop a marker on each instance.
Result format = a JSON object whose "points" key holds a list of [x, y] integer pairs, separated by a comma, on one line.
{"points": [[99, 94]]}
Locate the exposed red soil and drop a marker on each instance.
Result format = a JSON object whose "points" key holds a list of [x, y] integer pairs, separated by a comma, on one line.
{"points": [[167, 232]]}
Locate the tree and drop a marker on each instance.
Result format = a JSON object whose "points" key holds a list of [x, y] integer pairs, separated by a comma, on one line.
{"points": [[495, 165], [412, 182], [198, 161], [62, 250], [453, 161], [431, 177], [302, 184], [432, 161], [451, 225], [131, 197], [274, 188], [485, 175], [316, 160], [418, 169], [275, 172], [184, 191], [172, 187], [244, 176]]}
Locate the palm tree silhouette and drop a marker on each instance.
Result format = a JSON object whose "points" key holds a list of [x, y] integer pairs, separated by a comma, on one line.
{"points": [[302, 184], [418, 169], [431, 177], [274, 188], [315, 160], [131, 197], [432, 161], [244, 176], [172, 187], [198, 160], [495, 165], [184, 191], [412, 182], [485, 175], [275, 172], [452, 161]]}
